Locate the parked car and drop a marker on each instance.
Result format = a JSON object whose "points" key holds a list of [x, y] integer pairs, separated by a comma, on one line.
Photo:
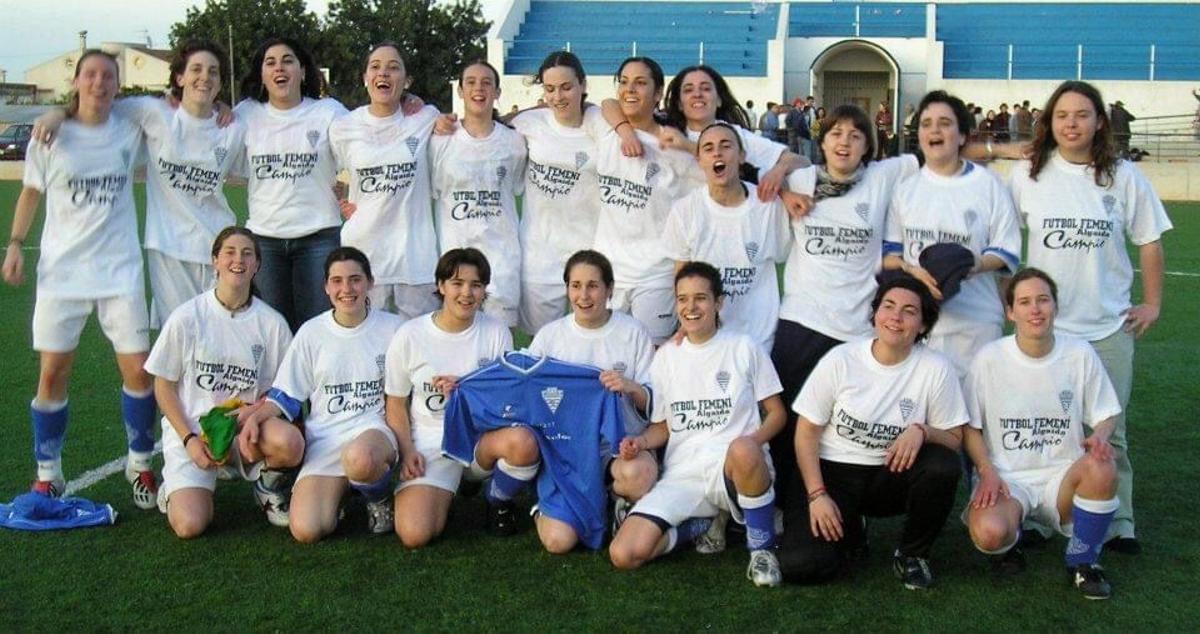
{"points": [[13, 141]]}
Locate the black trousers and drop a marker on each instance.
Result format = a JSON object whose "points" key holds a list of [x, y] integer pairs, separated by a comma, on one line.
{"points": [[796, 352], [924, 494]]}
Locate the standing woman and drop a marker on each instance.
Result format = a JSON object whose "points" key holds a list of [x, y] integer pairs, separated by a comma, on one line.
{"points": [[883, 130], [829, 279], [716, 405], [620, 346], [89, 259], [477, 173], [336, 363], [219, 345], [385, 152], [952, 200], [424, 360], [1082, 204], [291, 172], [814, 128], [562, 198]]}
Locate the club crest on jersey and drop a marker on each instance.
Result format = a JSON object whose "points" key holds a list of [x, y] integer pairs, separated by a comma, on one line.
{"points": [[257, 351], [723, 380], [412, 143], [552, 396], [907, 406], [379, 362], [501, 172], [652, 170], [619, 367], [1065, 398], [220, 153], [581, 158], [125, 157], [971, 217], [507, 411], [863, 210], [1110, 204], [313, 136], [751, 250]]}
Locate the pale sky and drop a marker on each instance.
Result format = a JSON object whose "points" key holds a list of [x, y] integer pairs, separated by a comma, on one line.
{"points": [[33, 31]]}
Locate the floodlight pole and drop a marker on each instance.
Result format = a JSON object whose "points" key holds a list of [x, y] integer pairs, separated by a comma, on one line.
{"points": [[232, 74]]}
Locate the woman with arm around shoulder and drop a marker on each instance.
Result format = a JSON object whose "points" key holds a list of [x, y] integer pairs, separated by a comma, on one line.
{"points": [[384, 149], [291, 171], [1082, 204], [222, 344], [878, 436], [89, 260], [709, 392]]}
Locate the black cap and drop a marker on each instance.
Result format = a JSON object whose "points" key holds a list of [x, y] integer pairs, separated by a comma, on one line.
{"points": [[949, 264]]}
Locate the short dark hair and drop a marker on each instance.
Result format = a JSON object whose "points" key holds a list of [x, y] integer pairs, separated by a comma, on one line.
{"points": [[1028, 273], [310, 85], [349, 254], [961, 114], [858, 118], [727, 126], [929, 306], [184, 52], [656, 71], [591, 258], [448, 264], [702, 270]]}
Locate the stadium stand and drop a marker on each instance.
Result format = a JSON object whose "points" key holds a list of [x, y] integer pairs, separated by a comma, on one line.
{"points": [[865, 19]]}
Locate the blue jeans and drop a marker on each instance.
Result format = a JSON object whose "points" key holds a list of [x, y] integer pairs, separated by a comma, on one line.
{"points": [[292, 276]]}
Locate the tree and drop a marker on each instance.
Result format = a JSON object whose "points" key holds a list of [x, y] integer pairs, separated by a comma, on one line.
{"points": [[252, 21], [434, 39]]}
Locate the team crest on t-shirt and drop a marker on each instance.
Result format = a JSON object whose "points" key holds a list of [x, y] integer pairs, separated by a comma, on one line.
{"points": [[256, 350], [581, 158], [412, 143], [501, 172], [723, 380], [863, 210], [907, 406], [125, 156], [552, 397], [971, 217], [1064, 398], [220, 153], [313, 136], [751, 250], [379, 362], [1110, 205], [651, 170]]}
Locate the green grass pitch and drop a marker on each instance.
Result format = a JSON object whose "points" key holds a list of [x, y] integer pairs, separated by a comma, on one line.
{"points": [[244, 575]]}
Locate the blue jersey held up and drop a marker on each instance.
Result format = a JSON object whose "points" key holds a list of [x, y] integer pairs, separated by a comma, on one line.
{"points": [[572, 415]]}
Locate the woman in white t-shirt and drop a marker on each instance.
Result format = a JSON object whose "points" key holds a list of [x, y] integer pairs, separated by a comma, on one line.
{"points": [[708, 395], [291, 171], [878, 435], [477, 173], [424, 360], [952, 200], [89, 260], [620, 346], [743, 237], [1082, 205], [388, 215], [562, 201], [336, 363], [222, 344]]}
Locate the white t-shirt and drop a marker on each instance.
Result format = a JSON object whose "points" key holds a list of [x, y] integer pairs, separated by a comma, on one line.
{"points": [[829, 280], [562, 200], [623, 344], [290, 167], [89, 246], [1032, 411], [339, 371], [636, 195], [187, 162], [972, 209], [761, 152], [1077, 233], [708, 396], [864, 405], [420, 351], [387, 161], [743, 243], [475, 183], [212, 355]]}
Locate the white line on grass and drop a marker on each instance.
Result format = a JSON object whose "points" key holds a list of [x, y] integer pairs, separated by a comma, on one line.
{"points": [[1175, 273], [103, 471]]}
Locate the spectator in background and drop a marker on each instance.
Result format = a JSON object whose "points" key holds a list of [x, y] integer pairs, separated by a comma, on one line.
{"points": [[1120, 119], [751, 115], [798, 137], [1012, 121], [1024, 124], [781, 112], [987, 127], [910, 126], [1000, 125], [769, 121], [818, 122], [883, 131]]}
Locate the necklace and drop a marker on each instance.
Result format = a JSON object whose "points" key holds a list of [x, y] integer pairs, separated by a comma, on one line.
{"points": [[232, 309]]}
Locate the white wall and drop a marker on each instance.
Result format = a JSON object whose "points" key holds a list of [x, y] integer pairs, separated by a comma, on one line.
{"points": [[1142, 98]]}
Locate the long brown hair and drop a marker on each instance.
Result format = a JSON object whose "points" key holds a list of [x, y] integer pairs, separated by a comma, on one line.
{"points": [[1104, 151]]}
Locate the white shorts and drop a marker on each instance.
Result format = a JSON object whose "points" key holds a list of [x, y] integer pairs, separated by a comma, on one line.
{"points": [[57, 322], [960, 347], [653, 306], [179, 472], [323, 454], [405, 300], [173, 282], [541, 304], [1038, 498], [440, 471], [687, 492]]}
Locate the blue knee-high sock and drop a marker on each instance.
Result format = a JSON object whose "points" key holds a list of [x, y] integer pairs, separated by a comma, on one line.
{"points": [[138, 412], [1090, 519], [377, 490], [508, 480], [759, 512], [49, 422], [687, 532]]}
